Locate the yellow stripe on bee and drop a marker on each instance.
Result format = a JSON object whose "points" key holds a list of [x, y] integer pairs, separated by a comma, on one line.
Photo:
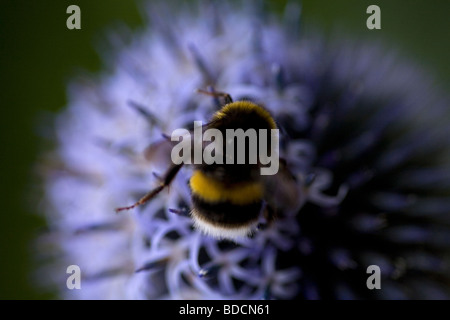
{"points": [[210, 190], [246, 106]]}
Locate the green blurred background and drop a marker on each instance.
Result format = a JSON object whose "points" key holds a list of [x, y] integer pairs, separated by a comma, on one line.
{"points": [[38, 55]]}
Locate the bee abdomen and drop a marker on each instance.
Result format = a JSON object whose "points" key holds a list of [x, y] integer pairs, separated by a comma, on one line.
{"points": [[225, 211], [227, 214], [225, 219], [212, 190]]}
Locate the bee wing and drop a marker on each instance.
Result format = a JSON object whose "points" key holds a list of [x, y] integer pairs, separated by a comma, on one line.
{"points": [[283, 192], [159, 152]]}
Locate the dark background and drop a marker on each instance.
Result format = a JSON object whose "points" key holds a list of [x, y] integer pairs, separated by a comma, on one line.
{"points": [[38, 55]]}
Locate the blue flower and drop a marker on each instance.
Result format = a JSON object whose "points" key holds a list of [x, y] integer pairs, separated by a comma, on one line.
{"points": [[364, 132]]}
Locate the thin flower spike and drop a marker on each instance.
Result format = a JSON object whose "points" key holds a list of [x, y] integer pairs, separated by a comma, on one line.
{"points": [[361, 130]]}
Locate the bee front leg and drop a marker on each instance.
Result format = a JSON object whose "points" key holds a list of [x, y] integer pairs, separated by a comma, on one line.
{"points": [[166, 180]]}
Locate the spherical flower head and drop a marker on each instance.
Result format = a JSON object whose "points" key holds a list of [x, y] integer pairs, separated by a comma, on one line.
{"points": [[362, 132]]}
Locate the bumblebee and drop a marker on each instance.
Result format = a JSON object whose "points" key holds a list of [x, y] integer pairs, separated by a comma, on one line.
{"points": [[230, 200]]}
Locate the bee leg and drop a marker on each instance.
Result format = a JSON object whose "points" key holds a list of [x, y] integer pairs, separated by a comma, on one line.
{"points": [[268, 216], [215, 94], [166, 180]]}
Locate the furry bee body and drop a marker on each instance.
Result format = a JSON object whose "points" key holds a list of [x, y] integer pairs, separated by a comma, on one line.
{"points": [[228, 198]]}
